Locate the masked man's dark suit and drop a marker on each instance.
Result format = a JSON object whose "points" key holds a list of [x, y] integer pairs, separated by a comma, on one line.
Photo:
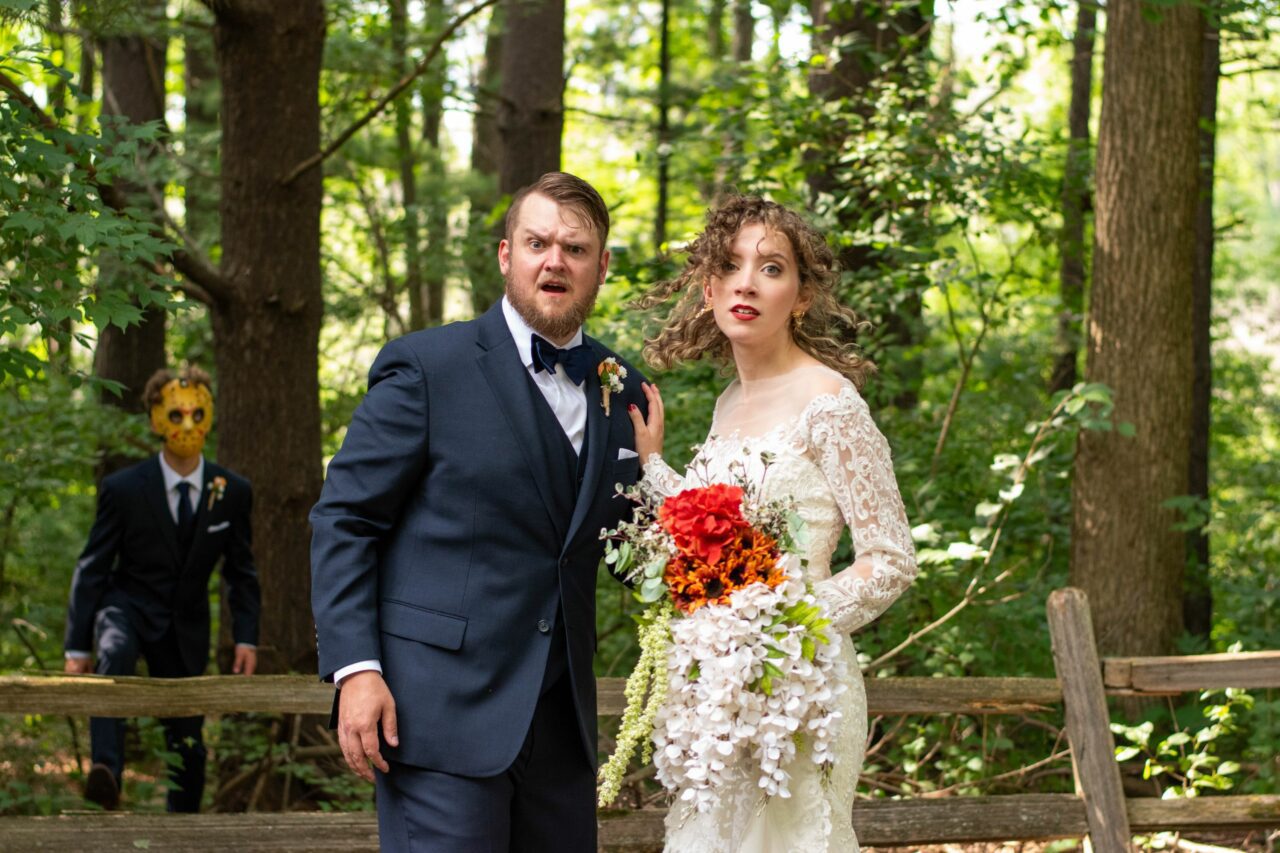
{"points": [[457, 541], [141, 587]]}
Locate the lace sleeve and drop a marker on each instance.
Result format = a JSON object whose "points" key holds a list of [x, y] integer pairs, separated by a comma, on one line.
{"points": [[659, 477], [854, 458]]}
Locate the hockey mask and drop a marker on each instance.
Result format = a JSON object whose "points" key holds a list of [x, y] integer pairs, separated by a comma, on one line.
{"points": [[183, 417]]}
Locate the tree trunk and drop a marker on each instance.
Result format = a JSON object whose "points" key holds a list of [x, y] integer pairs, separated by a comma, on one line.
{"points": [[729, 163], [266, 328], [1197, 602], [531, 102], [1075, 200], [200, 78], [664, 127], [133, 87], [861, 36], [1125, 552], [88, 76], [483, 195], [437, 261], [408, 170], [715, 30]]}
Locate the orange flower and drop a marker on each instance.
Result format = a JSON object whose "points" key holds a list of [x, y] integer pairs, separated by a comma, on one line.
{"points": [[703, 520], [749, 557]]}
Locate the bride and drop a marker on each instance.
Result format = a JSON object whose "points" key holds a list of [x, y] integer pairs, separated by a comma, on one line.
{"points": [[758, 290]]}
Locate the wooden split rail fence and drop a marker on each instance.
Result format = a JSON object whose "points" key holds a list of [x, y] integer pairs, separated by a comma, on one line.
{"points": [[1098, 809]]}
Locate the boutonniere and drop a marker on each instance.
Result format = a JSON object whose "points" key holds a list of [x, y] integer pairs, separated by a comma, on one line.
{"points": [[217, 489], [611, 376]]}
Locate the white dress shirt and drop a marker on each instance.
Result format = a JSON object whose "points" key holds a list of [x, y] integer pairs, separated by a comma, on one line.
{"points": [[567, 400], [171, 480]]}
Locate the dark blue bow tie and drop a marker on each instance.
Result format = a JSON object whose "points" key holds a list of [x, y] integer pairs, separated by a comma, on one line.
{"points": [[577, 361]]}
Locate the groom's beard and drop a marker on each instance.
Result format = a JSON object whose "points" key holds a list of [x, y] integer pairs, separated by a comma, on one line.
{"points": [[553, 327]]}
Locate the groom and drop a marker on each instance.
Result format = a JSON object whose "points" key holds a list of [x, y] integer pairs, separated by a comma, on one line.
{"points": [[455, 548]]}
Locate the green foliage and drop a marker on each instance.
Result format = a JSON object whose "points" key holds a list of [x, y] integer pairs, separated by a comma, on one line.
{"points": [[1186, 762], [54, 224]]}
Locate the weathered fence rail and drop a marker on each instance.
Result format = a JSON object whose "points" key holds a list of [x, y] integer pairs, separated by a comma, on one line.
{"points": [[1098, 809]]}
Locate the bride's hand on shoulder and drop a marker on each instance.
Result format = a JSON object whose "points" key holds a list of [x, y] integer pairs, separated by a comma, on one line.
{"points": [[648, 431]]}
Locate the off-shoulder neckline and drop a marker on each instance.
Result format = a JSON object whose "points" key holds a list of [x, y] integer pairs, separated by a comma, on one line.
{"points": [[847, 389]]}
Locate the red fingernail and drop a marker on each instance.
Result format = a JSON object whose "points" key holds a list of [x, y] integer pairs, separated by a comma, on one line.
{"points": [[632, 407]]}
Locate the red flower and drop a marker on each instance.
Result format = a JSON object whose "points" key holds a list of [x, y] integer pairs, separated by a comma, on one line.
{"points": [[703, 521]]}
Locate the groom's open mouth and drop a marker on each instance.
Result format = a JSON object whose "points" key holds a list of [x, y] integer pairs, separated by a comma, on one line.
{"points": [[553, 287], [744, 312]]}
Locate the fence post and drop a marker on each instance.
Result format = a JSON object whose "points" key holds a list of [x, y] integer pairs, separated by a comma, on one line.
{"points": [[1097, 775]]}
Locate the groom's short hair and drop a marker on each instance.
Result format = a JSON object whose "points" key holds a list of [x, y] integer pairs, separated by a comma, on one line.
{"points": [[567, 191]]}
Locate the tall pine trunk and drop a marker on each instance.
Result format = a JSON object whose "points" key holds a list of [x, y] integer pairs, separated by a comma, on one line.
{"points": [[1125, 552], [1075, 200], [486, 154], [870, 41], [1197, 602], [133, 68], [408, 159], [437, 190], [266, 328], [531, 104]]}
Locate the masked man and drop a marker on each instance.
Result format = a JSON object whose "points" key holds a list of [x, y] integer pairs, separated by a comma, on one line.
{"points": [[141, 587]]}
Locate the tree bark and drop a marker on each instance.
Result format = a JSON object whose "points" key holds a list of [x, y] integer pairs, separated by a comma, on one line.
{"points": [[486, 155], [200, 79], [132, 87], [1197, 602], [531, 102], [1125, 552], [408, 170], [1075, 200], [266, 325], [860, 37], [437, 211], [664, 127]]}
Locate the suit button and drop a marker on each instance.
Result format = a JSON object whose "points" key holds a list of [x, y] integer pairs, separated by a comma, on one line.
{"points": [[544, 626]]}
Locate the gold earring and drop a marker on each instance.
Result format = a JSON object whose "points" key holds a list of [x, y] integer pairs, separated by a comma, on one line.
{"points": [[797, 316]]}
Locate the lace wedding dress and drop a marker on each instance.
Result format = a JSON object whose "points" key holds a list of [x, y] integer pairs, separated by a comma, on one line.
{"points": [[829, 456]]}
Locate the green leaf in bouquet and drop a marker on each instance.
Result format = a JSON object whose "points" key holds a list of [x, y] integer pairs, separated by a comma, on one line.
{"points": [[651, 590], [774, 652], [808, 648], [655, 567]]}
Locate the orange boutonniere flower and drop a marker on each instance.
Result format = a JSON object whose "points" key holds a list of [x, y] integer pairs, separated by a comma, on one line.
{"points": [[217, 489], [611, 375]]}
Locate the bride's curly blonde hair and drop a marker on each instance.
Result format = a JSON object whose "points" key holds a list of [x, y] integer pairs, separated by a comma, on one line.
{"points": [[689, 332]]}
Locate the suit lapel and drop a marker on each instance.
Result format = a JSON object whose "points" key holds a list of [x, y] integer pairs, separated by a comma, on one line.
{"points": [[499, 361], [597, 445], [158, 501]]}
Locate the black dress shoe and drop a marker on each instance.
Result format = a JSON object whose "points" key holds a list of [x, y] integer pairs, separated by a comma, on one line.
{"points": [[101, 787]]}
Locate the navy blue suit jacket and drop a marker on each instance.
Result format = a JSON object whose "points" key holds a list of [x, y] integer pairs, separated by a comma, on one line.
{"points": [[435, 551], [132, 560]]}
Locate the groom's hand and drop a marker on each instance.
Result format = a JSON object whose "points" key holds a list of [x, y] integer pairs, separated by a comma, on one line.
{"points": [[365, 701]]}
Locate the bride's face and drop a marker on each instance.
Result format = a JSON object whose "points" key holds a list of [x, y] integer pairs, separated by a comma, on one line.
{"points": [[753, 295]]}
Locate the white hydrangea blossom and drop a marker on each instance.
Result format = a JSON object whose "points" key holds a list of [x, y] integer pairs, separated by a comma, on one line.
{"points": [[721, 724]]}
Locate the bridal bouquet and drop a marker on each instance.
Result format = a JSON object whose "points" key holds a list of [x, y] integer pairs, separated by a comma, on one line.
{"points": [[737, 672]]}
